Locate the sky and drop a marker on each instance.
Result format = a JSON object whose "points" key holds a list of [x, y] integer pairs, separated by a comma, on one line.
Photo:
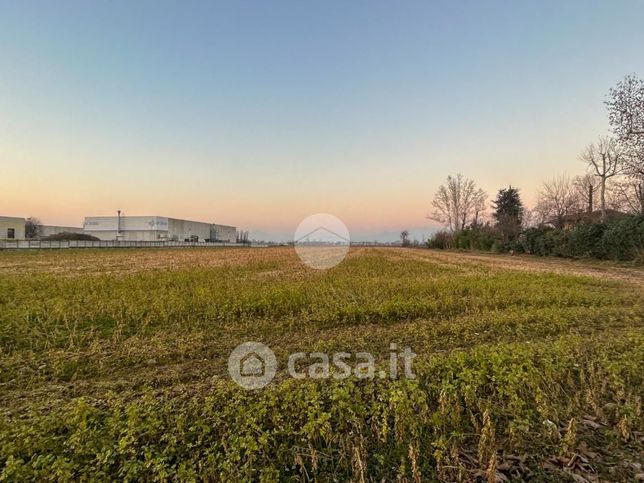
{"points": [[261, 113]]}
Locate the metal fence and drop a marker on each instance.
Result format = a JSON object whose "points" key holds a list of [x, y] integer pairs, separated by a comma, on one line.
{"points": [[64, 244]]}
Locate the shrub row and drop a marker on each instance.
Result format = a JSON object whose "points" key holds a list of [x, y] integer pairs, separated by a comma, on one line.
{"points": [[471, 238], [621, 239], [616, 240]]}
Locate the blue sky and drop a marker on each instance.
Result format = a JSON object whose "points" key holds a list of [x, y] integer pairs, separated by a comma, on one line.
{"points": [[261, 113]]}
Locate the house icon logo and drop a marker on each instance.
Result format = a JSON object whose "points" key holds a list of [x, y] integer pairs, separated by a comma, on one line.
{"points": [[252, 365], [321, 241]]}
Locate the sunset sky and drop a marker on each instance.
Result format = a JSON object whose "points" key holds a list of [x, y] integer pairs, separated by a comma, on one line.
{"points": [[258, 114]]}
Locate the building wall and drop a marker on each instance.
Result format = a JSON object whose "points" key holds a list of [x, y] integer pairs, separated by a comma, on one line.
{"points": [[47, 230], [131, 235], [133, 228], [184, 229], [111, 223], [10, 222], [152, 228], [225, 233]]}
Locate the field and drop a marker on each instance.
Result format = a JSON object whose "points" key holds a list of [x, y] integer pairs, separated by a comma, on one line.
{"points": [[113, 366]]}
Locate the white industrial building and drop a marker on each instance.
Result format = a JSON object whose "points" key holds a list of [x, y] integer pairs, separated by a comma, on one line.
{"points": [[12, 228], [155, 228]]}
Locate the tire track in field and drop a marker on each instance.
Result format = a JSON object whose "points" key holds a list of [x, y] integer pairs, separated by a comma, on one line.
{"points": [[529, 263]]}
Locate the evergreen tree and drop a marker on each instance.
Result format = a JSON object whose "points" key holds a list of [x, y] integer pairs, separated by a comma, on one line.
{"points": [[508, 213]]}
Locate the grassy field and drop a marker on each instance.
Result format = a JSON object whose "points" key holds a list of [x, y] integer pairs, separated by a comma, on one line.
{"points": [[113, 365]]}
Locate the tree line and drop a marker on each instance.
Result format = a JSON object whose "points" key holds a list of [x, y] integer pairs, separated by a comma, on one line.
{"points": [[610, 191]]}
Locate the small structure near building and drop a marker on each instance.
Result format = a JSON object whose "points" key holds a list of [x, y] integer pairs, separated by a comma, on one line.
{"points": [[223, 233], [12, 228]]}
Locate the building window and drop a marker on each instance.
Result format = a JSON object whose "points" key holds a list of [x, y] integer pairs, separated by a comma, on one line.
{"points": [[11, 233]]}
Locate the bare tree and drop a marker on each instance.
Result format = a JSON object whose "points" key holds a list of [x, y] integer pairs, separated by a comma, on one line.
{"points": [[633, 161], [242, 236], [605, 159], [479, 207], [626, 107], [458, 203], [614, 198], [556, 199], [586, 187], [626, 116], [531, 218], [33, 227], [404, 238], [628, 195]]}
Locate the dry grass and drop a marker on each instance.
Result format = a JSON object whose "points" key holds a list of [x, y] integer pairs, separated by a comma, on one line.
{"points": [[95, 333]]}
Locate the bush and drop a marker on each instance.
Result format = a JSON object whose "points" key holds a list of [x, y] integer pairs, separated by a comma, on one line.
{"points": [[70, 236], [475, 238], [621, 239], [471, 238], [535, 241], [441, 240], [584, 241], [624, 239]]}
